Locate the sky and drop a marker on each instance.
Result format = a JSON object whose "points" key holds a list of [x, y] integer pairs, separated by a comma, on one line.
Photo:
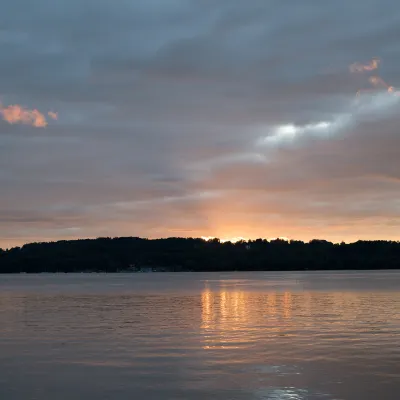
{"points": [[224, 118]]}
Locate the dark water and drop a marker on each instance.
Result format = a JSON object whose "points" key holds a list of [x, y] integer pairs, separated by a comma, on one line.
{"points": [[200, 336]]}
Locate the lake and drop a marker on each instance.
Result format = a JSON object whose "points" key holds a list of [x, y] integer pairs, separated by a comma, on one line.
{"points": [[183, 336]]}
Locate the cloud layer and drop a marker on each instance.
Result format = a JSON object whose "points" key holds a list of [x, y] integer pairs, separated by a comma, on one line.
{"points": [[187, 118]]}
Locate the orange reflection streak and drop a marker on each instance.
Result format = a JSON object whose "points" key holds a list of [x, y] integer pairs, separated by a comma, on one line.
{"points": [[287, 305], [231, 318], [239, 319], [224, 306], [15, 113], [206, 309], [271, 304], [223, 315]]}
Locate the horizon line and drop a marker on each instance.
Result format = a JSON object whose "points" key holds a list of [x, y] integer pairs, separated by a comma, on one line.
{"points": [[204, 238]]}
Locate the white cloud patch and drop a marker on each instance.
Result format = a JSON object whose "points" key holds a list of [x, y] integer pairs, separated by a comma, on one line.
{"points": [[369, 107], [290, 132]]}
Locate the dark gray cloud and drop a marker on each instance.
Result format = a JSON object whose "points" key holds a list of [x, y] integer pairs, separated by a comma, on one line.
{"points": [[218, 117]]}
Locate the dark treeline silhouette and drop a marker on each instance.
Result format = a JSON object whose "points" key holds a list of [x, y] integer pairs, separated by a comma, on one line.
{"points": [[188, 254]]}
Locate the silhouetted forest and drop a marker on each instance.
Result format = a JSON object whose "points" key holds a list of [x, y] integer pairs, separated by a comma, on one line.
{"points": [[188, 254]]}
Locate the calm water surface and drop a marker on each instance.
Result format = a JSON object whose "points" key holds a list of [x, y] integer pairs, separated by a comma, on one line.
{"points": [[250, 336]]}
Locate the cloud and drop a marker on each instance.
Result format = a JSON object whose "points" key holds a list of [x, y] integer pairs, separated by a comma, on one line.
{"points": [[160, 102], [370, 66], [14, 114]]}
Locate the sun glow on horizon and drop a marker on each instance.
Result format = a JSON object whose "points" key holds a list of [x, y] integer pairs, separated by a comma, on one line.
{"points": [[239, 238], [223, 240]]}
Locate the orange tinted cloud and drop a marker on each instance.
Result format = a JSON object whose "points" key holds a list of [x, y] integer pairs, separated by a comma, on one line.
{"points": [[53, 115], [375, 80], [372, 65], [15, 114]]}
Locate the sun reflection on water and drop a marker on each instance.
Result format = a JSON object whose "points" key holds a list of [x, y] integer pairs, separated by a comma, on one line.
{"points": [[230, 318]]}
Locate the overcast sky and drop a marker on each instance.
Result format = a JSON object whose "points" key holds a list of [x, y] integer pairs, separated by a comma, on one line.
{"points": [[199, 118]]}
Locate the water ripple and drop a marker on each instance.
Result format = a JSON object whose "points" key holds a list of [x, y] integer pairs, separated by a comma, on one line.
{"points": [[197, 336]]}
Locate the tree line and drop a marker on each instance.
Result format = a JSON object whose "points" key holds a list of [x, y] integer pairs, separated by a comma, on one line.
{"points": [[191, 254]]}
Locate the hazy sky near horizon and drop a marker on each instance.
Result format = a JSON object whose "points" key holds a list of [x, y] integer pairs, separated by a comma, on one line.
{"points": [[187, 118]]}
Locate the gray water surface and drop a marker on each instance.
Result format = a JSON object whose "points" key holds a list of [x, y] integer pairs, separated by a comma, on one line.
{"points": [[233, 336]]}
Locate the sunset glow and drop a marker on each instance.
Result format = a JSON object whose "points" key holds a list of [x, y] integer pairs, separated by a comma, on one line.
{"points": [[224, 240], [238, 239], [212, 126], [199, 200]]}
